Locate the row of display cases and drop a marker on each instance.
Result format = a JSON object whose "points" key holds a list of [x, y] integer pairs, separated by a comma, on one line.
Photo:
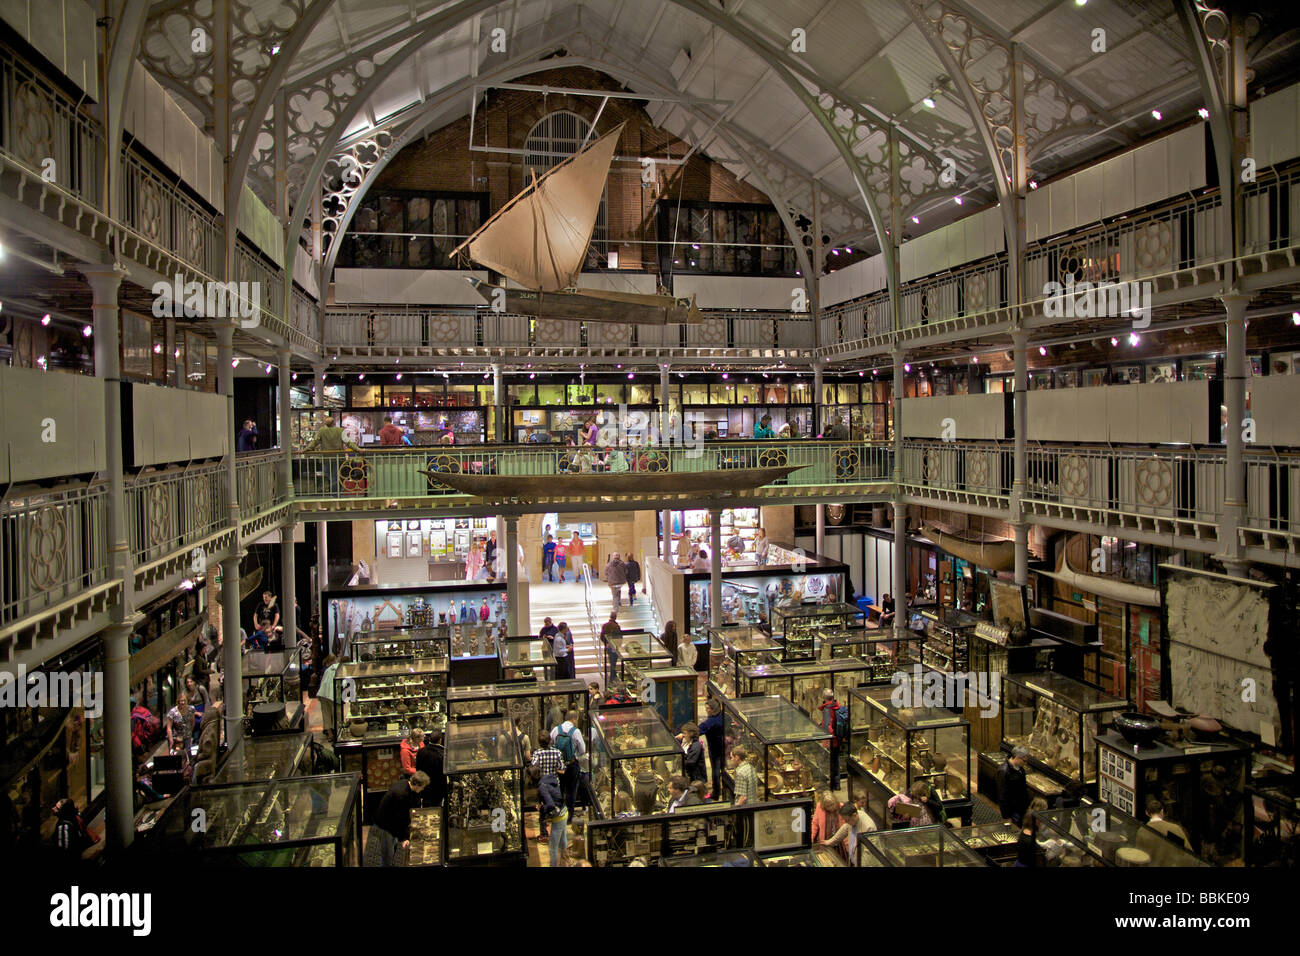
{"points": [[788, 749], [454, 609], [752, 593]]}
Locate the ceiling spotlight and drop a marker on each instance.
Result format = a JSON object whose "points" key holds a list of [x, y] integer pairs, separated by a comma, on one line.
{"points": [[45, 319], [87, 331], [835, 252], [1042, 350], [361, 377], [849, 250], [631, 375], [1203, 113], [907, 368], [875, 371], [1113, 341], [916, 219], [157, 347], [41, 361], [1156, 114], [275, 48], [929, 102], [293, 376], [399, 376], [532, 375], [1133, 339], [176, 354], [1033, 184], [268, 368], [1080, 3], [974, 360], [861, 373], [1295, 319], [695, 245], [726, 375], [957, 200]]}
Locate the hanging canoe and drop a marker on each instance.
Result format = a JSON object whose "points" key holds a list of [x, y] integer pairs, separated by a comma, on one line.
{"points": [[540, 240], [1120, 591], [525, 487], [591, 305], [992, 555]]}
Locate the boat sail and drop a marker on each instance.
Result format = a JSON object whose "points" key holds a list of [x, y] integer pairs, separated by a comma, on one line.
{"points": [[540, 238]]}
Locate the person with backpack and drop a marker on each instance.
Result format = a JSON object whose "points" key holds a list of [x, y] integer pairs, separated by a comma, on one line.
{"points": [[567, 739], [548, 764], [71, 838], [633, 571], [835, 721], [145, 728]]}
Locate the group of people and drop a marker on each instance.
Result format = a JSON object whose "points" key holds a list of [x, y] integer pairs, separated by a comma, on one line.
{"points": [[423, 784], [557, 557], [692, 554], [560, 638]]}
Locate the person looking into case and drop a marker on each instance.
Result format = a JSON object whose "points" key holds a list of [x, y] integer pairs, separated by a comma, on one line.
{"points": [[390, 831], [845, 839], [1013, 789]]}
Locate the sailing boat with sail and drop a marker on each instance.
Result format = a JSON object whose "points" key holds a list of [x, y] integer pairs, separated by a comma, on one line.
{"points": [[539, 240]]}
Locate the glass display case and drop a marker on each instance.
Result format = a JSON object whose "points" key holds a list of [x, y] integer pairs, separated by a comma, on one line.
{"points": [[628, 657], [995, 842], [633, 755], [884, 654], [816, 855], [751, 593], [800, 626], [894, 747], [483, 821], [539, 706], [265, 758], [991, 652], [810, 679], [754, 680], [673, 691], [917, 846], [521, 658], [376, 705], [1199, 785], [401, 644], [788, 749], [474, 613], [426, 837], [731, 648], [947, 640], [1058, 720], [272, 677], [297, 821], [741, 858], [1113, 838], [1275, 806]]}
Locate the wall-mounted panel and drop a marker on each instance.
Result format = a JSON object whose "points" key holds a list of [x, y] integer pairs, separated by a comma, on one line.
{"points": [[738, 292], [31, 400], [1273, 403], [1117, 185], [1151, 169], [1275, 126], [974, 417], [62, 31]]}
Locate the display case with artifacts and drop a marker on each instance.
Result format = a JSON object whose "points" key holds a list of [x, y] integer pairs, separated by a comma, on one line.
{"points": [[426, 837], [1058, 720], [627, 657], [730, 648], [673, 691], [947, 640], [788, 749], [751, 594], [293, 821], [997, 843], [392, 609], [633, 755], [521, 658], [993, 650], [273, 677], [894, 747], [1112, 838], [809, 680], [376, 706], [933, 846], [483, 820], [764, 828], [800, 627], [815, 855], [1274, 805], [731, 858], [1191, 790], [265, 757], [404, 643], [756, 680], [539, 706]]}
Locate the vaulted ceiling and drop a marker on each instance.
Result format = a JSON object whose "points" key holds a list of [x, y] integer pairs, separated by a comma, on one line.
{"points": [[792, 95]]}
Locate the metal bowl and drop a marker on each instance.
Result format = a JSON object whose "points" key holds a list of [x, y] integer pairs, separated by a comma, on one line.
{"points": [[1138, 729]]}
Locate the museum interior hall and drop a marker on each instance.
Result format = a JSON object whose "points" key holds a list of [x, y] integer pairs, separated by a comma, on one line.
{"points": [[648, 433]]}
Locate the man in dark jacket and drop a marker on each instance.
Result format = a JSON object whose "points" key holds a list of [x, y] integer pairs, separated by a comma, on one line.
{"points": [[633, 571], [829, 709], [711, 730], [429, 762], [246, 440], [1013, 790], [390, 830]]}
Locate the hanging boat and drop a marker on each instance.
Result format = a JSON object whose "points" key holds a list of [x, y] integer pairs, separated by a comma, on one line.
{"points": [[540, 239], [993, 555], [719, 482], [1105, 587]]}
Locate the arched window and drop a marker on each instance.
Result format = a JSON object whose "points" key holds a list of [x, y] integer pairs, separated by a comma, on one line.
{"points": [[557, 136]]}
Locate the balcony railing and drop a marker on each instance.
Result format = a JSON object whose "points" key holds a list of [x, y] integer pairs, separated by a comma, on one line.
{"points": [[42, 129], [385, 473], [175, 509], [53, 545], [1273, 492], [976, 468], [161, 214], [258, 482]]}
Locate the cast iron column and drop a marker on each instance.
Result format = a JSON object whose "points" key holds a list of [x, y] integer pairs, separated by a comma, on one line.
{"points": [[1020, 344], [119, 774], [511, 546], [900, 592], [715, 567], [1235, 371], [665, 411]]}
